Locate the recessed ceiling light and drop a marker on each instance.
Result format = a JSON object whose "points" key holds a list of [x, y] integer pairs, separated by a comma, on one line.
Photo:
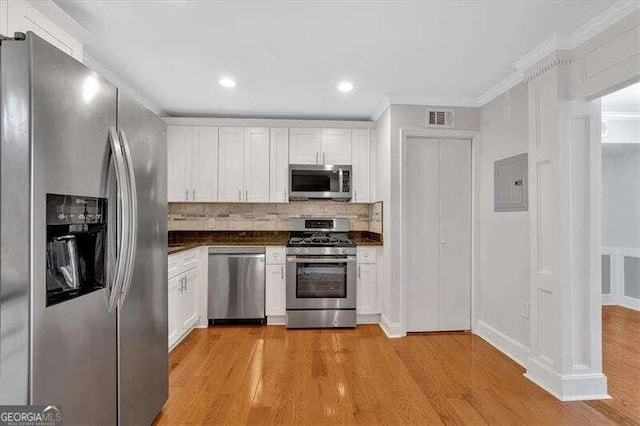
{"points": [[345, 86], [227, 82]]}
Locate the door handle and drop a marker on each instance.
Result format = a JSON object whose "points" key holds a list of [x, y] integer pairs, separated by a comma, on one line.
{"points": [[282, 272], [359, 271], [317, 154], [133, 223], [186, 195], [122, 216], [246, 195], [193, 194], [239, 195]]}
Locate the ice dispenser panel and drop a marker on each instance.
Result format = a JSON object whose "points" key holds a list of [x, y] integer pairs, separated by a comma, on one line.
{"points": [[76, 246]]}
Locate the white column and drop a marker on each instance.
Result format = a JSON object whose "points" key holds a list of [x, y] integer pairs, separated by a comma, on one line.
{"points": [[564, 172]]}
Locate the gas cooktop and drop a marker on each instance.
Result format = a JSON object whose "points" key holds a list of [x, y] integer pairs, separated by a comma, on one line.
{"points": [[320, 240]]}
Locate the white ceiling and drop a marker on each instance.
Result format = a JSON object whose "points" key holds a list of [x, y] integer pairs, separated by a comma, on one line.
{"points": [[287, 56]]}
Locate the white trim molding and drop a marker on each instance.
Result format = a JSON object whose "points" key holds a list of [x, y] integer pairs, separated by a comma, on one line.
{"points": [[380, 109], [391, 329], [264, 122], [569, 387], [505, 344]]}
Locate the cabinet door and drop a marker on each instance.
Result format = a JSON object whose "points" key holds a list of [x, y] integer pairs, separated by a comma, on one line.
{"points": [[231, 164], [275, 297], [304, 146], [175, 326], [204, 160], [256, 165], [366, 290], [336, 146], [189, 300], [361, 157], [279, 146], [179, 147]]}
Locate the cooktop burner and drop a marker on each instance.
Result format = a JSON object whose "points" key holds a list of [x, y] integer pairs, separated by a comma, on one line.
{"points": [[320, 240]]}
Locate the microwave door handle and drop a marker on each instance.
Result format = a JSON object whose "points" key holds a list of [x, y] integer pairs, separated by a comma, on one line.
{"points": [[341, 183], [133, 217], [122, 216]]}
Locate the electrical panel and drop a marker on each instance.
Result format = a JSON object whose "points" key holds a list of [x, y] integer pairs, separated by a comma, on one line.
{"points": [[511, 184]]}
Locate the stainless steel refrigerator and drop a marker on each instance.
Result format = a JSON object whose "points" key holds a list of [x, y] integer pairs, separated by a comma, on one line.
{"points": [[83, 239]]}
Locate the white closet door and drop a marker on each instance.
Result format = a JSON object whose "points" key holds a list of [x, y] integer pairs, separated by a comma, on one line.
{"points": [[454, 295], [204, 173], [231, 164], [256, 165], [420, 233]]}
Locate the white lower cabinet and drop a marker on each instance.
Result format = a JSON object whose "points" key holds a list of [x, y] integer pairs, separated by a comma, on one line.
{"points": [[366, 287], [184, 279], [276, 285], [275, 291]]}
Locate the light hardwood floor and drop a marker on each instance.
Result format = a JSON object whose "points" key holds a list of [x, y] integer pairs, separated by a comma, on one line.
{"points": [[269, 375]]}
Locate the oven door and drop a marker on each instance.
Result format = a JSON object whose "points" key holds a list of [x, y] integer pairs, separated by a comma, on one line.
{"points": [[323, 282]]}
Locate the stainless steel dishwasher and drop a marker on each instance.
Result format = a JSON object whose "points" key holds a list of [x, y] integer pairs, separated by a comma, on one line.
{"points": [[236, 283]]}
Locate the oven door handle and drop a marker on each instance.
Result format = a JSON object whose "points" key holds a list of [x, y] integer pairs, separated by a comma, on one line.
{"points": [[350, 259]]}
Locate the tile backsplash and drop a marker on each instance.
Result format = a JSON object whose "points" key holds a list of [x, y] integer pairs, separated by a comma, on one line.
{"points": [[269, 216]]}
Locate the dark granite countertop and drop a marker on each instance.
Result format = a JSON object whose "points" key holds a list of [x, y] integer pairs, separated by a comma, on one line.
{"points": [[186, 240]]}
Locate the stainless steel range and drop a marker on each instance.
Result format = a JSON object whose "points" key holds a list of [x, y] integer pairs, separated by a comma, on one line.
{"points": [[321, 274]]}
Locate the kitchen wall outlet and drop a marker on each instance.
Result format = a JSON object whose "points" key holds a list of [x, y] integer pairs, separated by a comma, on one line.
{"points": [[524, 310]]}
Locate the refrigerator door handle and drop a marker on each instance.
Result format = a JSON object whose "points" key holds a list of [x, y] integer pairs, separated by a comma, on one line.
{"points": [[122, 217], [133, 218]]}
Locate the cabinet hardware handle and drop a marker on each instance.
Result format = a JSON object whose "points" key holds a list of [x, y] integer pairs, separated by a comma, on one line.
{"points": [[355, 195], [359, 271], [317, 153], [324, 158], [239, 195], [186, 195], [194, 195], [282, 272], [284, 196], [246, 195]]}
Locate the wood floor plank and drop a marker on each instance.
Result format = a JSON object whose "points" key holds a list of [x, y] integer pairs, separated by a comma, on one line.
{"points": [[272, 376]]}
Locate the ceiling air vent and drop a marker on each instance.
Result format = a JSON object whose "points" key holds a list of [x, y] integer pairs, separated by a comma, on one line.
{"points": [[439, 118]]}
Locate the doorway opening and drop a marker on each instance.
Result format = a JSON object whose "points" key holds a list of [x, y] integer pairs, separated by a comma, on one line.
{"points": [[620, 224]]}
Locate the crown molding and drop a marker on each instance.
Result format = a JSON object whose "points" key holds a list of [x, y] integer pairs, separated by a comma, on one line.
{"points": [[113, 78], [433, 101], [550, 45], [505, 85], [380, 109], [610, 16], [59, 17]]}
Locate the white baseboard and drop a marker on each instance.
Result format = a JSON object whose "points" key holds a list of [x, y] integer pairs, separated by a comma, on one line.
{"points": [[368, 319], [630, 302], [568, 387], [391, 329], [505, 344], [276, 320]]}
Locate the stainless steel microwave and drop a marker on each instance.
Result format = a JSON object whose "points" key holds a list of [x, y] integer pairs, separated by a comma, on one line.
{"points": [[319, 182]]}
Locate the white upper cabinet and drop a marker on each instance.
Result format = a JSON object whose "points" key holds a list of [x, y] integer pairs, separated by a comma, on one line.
{"points": [[336, 146], [278, 191], [204, 164], [256, 164], [231, 164], [304, 146], [192, 154], [361, 156], [179, 146]]}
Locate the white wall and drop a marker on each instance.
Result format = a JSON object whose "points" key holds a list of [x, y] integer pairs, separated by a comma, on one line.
{"points": [[621, 200], [382, 177], [504, 237]]}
